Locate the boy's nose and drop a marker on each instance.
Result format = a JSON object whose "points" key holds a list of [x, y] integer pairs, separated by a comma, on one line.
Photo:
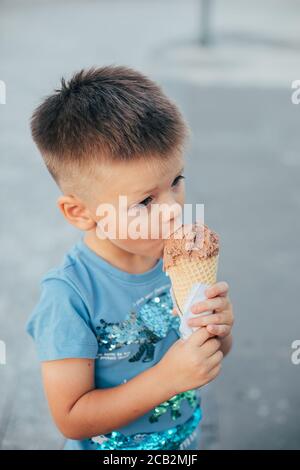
{"points": [[171, 210], [172, 220]]}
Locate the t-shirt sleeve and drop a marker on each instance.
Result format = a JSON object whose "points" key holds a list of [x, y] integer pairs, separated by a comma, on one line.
{"points": [[60, 323]]}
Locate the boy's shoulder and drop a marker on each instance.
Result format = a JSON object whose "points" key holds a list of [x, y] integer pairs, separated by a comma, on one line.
{"points": [[71, 265], [70, 274], [66, 269], [60, 322]]}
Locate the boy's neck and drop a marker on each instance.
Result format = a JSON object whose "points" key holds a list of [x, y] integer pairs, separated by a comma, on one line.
{"points": [[129, 262]]}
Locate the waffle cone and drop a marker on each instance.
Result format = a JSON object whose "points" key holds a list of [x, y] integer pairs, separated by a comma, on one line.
{"points": [[187, 272]]}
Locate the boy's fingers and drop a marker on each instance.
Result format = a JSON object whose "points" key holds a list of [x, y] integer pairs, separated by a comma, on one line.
{"points": [[224, 318], [219, 330], [215, 359], [220, 288], [211, 346], [215, 371], [199, 337], [217, 304]]}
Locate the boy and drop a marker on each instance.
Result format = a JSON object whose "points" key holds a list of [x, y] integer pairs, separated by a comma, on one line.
{"points": [[115, 373]]}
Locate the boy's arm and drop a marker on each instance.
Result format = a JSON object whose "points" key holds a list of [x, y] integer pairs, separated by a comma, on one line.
{"points": [[80, 411]]}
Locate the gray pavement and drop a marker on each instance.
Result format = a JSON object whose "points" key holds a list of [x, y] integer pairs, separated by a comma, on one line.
{"points": [[243, 163]]}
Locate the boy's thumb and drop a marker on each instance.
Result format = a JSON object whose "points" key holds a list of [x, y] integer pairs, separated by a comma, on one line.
{"points": [[199, 336]]}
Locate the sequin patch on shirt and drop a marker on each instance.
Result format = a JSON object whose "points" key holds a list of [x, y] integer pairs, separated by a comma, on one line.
{"points": [[171, 439], [145, 327]]}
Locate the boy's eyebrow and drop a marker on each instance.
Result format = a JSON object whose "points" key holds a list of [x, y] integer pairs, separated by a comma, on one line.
{"points": [[142, 193]]}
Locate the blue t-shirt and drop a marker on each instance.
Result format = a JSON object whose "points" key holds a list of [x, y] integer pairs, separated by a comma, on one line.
{"points": [[89, 308]]}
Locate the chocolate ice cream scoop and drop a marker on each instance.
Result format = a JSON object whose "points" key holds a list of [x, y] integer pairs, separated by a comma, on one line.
{"points": [[194, 241]]}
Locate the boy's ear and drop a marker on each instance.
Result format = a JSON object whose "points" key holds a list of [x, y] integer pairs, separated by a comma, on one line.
{"points": [[75, 212]]}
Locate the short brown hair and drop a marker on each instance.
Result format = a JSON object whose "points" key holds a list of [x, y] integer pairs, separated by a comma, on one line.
{"points": [[111, 112]]}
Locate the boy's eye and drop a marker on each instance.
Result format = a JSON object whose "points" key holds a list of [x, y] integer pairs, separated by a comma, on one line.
{"points": [[146, 201], [177, 179]]}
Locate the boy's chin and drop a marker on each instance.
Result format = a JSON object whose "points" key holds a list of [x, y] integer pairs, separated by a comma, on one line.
{"points": [[156, 250], [151, 248]]}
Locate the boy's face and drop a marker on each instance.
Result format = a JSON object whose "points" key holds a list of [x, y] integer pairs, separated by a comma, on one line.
{"points": [[153, 197]]}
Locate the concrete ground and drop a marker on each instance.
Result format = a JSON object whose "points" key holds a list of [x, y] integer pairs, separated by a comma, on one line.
{"points": [[243, 163]]}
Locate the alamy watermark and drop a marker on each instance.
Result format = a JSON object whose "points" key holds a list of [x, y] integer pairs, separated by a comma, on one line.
{"points": [[2, 92], [295, 356], [296, 94], [2, 353], [154, 222]]}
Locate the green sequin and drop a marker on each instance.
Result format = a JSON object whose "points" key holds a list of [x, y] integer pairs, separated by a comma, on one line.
{"points": [[174, 405]]}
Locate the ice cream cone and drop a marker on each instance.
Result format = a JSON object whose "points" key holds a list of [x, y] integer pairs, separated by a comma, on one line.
{"points": [[186, 273], [187, 264]]}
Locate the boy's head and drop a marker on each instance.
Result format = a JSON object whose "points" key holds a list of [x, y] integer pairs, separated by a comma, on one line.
{"points": [[107, 132]]}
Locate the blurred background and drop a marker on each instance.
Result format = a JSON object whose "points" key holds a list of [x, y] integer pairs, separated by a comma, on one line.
{"points": [[230, 65]]}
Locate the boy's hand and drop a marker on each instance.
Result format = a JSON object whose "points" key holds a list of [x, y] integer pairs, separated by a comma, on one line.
{"points": [[219, 323], [191, 363]]}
